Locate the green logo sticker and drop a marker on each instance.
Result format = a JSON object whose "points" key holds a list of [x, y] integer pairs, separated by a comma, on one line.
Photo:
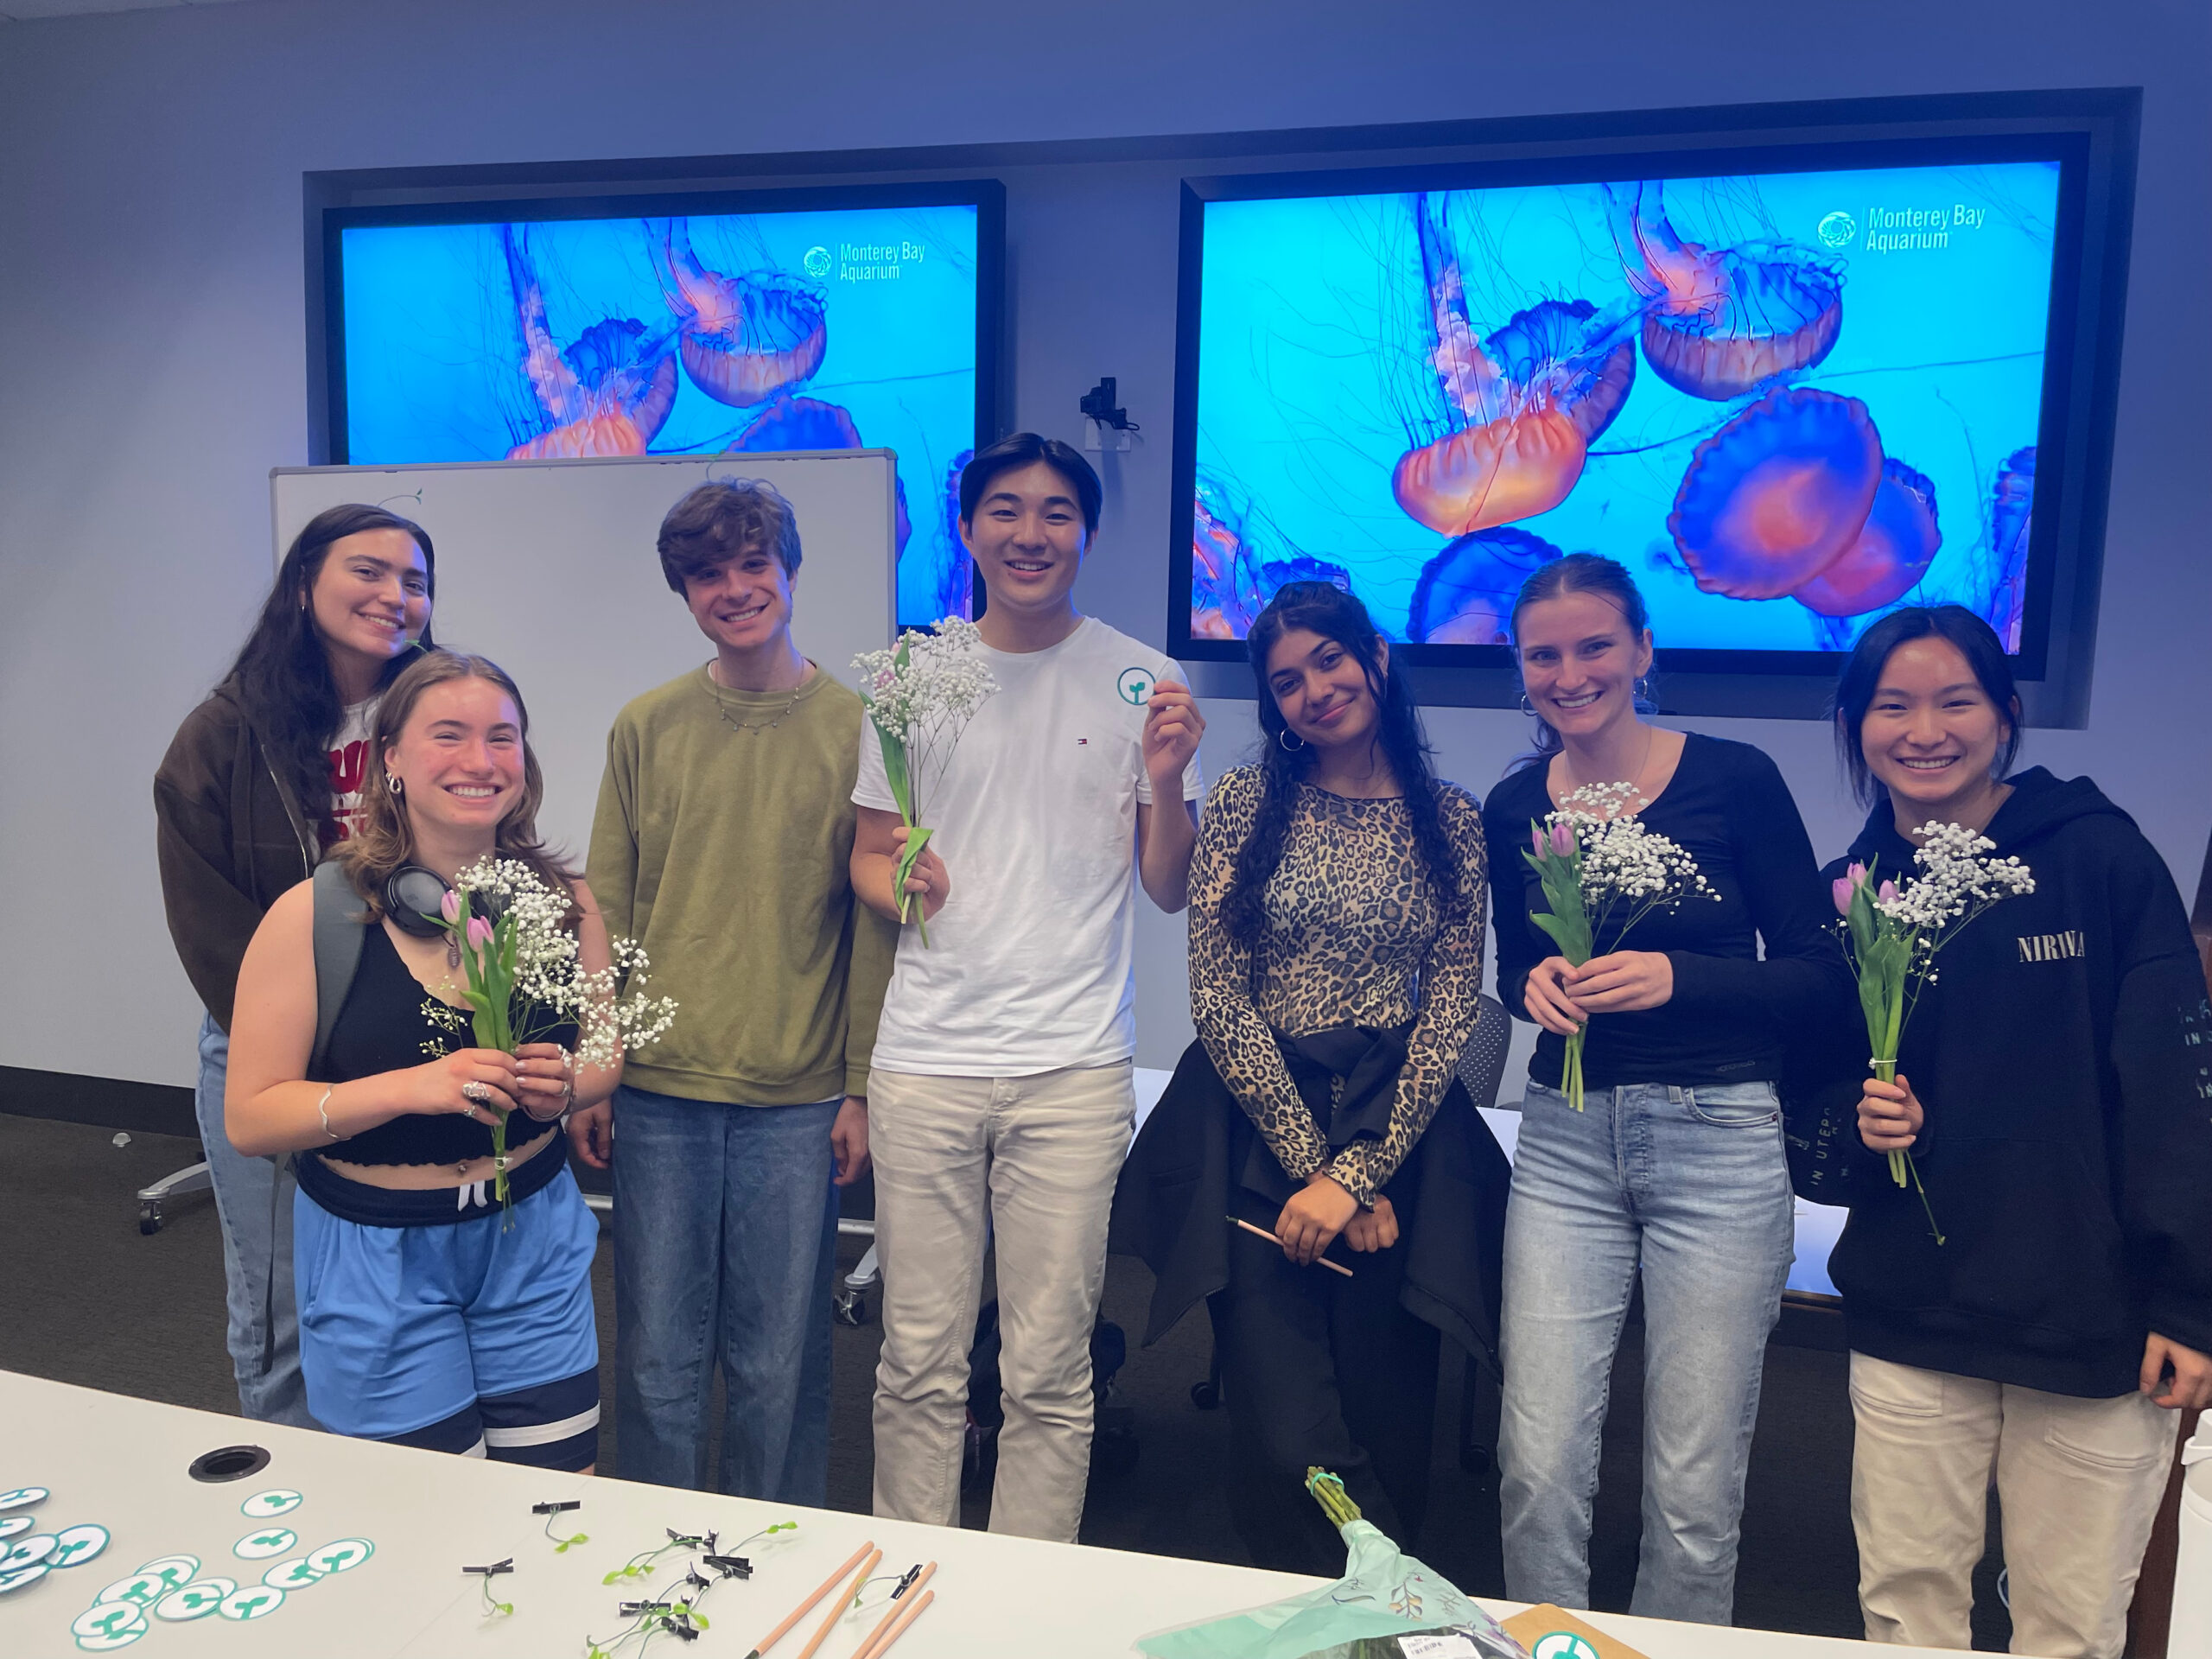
{"points": [[267, 1506], [12, 1524], [345, 1554], [193, 1601], [29, 1552], [255, 1601], [101, 1625], [142, 1589], [1563, 1644], [74, 1545], [294, 1574], [22, 1498], [1135, 686], [171, 1570], [17, 1578], [260, 1546]]}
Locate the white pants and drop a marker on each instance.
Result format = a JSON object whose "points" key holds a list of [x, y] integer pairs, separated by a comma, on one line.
{"points": [[1042, 1152], [2079, 1482]]}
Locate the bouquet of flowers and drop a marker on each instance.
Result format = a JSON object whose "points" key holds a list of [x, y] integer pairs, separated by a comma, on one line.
{"points": [[525, 980], [1602, 872], [920, 695], [1892, 934]]}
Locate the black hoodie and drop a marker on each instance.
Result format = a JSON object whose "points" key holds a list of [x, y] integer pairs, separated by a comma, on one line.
{"points": [[2064, 1054]]}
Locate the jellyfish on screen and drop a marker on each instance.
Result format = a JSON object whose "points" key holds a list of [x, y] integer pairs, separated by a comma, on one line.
{"points": [[1892, 551], [2011, 499], [1239, 561], [1720, 323], [745, 338], [606, 394], [1465, 593], [1521, 405]]}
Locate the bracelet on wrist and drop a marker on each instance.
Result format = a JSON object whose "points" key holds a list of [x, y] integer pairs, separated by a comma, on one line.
{"points": [[322, 1111]]}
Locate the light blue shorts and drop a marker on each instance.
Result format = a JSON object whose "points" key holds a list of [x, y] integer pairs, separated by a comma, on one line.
{"points": [[470, 1336]]}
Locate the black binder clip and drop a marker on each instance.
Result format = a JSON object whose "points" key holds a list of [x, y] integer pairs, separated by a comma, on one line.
{"points": [[492, 1570], [556, 1508], [631, 1609], [731, 1566]]}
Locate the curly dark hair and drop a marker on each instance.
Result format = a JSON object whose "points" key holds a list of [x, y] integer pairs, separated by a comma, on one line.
{"points": [[1324, 608]]}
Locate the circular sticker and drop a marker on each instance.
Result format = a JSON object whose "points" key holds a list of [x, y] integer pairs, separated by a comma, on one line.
{"points": [[1563, 1644], [25, 1552], [103, 1622], [255, 1601], [144, 1589], [12, 1524], [267, 1506], [171, 1570], [1135, 686], [22, 1498], [74, 1545], [16, 1578], [344, 1554], [294, 1574], [260, 1546], [194, 1601]]}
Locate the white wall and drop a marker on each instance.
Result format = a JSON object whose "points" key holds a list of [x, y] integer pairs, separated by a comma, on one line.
{"points": [[152, 342]]}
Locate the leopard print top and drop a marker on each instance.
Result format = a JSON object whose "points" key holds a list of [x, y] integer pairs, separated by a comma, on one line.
{"points": [[1356, 937]]}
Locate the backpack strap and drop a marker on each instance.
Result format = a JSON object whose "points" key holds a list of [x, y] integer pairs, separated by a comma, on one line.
{"points": [[339, 927]]}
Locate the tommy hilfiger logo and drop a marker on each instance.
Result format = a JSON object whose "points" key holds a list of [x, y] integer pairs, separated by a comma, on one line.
{"points": [[2053, 947]]}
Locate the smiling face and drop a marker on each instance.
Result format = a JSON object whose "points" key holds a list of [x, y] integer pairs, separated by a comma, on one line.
{"points": [[1580, 662], [1321, 690], [743, 604], [1027, 539], [370, 598], [1932, 733], [458, 760]]}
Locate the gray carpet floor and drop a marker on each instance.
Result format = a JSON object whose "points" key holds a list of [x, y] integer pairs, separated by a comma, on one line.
{"points": [[90, 1300]]}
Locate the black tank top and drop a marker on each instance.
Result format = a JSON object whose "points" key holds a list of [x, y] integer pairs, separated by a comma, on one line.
{"points": [[381, 1028]]}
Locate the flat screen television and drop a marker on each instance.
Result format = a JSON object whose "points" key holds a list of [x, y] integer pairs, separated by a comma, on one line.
{"points": [[835, 318], [1789, 384]]}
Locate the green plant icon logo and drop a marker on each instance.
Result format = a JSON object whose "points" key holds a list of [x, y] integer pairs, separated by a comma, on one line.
{"points": [[1135, 686], [1563, 1644]]}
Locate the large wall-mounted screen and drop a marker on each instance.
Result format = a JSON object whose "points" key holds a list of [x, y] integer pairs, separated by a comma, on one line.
{"points": [[1788, 397], [838, 320]]}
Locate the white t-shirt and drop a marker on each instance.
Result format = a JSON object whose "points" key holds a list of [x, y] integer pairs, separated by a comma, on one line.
{"points": [[349, 764], [1031, 963]]}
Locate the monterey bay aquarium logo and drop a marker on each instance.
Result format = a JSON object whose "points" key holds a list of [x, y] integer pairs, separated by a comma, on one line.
{"points": [[862, 262], [1903, 230]]}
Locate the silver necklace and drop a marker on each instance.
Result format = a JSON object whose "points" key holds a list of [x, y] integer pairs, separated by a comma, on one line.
{"points": [[723, 708]]}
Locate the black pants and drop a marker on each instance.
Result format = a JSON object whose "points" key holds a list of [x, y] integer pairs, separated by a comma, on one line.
{"points": [[1319, 1370]]}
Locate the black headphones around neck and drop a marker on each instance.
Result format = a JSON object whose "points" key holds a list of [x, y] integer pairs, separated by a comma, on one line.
{"points": [[414, 898]]}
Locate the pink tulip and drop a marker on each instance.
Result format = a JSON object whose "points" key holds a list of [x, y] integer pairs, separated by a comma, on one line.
{"points": [[1888, 894], [1562, 839], [1843, 887], [1536, 839], [1856, 875], [449, 906], [480, 932]]}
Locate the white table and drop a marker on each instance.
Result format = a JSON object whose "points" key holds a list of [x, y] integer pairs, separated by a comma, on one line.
{"points": [[121, 1463]]}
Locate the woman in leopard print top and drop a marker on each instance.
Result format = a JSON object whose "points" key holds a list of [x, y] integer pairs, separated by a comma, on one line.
{"points": [[1337, 914]]}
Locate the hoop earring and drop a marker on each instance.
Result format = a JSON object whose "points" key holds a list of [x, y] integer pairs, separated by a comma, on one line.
{"points": [[397, 787], [1289, 747], [1641, 688], [1527, 707]]}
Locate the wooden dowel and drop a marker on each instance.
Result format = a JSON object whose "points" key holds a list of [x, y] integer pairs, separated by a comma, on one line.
{"points": [[1261, 1232], [900, 1629], [868, 1649], [799, 1611], [843, 1605]]}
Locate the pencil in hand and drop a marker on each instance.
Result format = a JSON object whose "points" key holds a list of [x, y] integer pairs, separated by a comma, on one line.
{"points": [[1261, 1232]]}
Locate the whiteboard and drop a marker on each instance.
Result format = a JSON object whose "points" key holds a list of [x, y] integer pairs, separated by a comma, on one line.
{"points": [[549, 567]]}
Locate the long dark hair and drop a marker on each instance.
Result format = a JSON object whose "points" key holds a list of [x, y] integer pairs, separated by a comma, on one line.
{"points": [[1577, 573], [1862, 674], [282, 678], [1324, 608]]}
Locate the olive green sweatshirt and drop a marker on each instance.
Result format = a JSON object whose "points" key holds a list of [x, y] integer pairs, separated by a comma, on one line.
{"points": [[722, 846]]}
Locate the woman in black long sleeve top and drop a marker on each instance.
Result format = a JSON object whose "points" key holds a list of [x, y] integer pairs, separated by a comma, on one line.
{"points": [[1674, 1166]]}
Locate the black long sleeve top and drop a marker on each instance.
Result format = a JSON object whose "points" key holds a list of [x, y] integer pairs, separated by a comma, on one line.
{"points": [[1732, 1011]]}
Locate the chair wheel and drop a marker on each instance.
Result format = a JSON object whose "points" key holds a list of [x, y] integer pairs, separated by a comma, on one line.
{"points": [[1206, 1397], [149, 1219], [850, 1310]]}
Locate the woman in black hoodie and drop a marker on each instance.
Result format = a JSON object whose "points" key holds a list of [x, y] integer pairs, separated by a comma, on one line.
{"points": [[2052, 1085]]}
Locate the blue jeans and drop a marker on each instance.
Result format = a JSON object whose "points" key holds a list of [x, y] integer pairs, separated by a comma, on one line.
{"points": [[253, 1202], [724, 1246], [1692, 1186]]}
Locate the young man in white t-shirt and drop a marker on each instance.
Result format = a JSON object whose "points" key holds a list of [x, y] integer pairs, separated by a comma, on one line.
{"points": [[1001, 1097]]}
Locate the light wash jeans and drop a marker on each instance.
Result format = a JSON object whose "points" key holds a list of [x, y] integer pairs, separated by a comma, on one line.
{"points": [[957, 1159], [725, 1247], [253, 1202], [1691, 1185]]}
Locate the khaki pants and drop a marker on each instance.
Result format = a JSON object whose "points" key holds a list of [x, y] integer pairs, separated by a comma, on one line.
{"points": [[1035, 1157], [2079, 1481]]}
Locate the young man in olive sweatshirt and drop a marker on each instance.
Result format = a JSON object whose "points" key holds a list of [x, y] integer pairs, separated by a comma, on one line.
{"points": [[721, 845]]}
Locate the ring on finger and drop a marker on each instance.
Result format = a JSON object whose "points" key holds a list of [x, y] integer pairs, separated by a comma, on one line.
{"points": [[479, 1094]]}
